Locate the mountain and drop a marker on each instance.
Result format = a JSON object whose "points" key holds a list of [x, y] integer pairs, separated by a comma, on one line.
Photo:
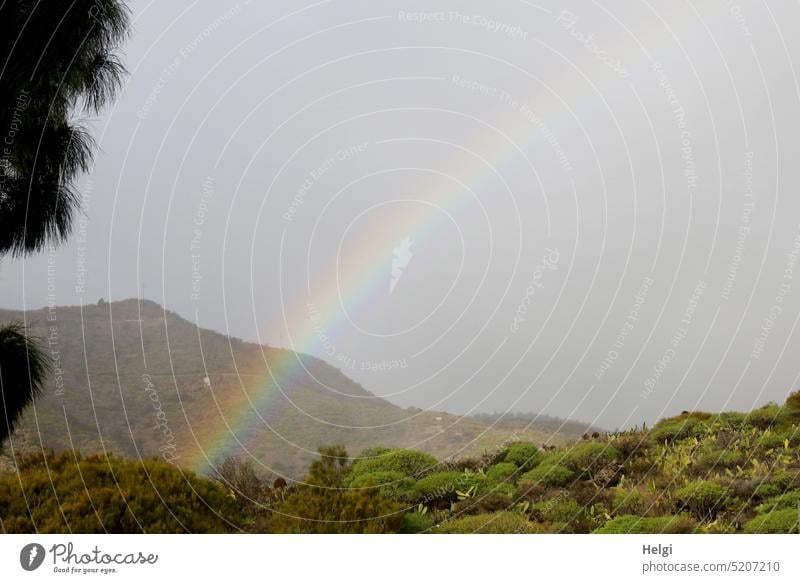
{"points": [[136, 379]]}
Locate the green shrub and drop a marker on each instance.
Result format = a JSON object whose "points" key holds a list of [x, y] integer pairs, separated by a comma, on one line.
{"points": [[376, 479], [501, 472], [777, 522], [677, 428], [770, 440], [473, 482], [680, 524], [632, 444], [319, 510], [764, 417], [565, 514], [560, 509], [487, 487], [714, 458], [589, 457], [703, 498], [789, 434], [773, 416], [480, 483], [406, 461], [793, 401], [392, 484], [733, 420], [484, 504], [331, 469], [414, 522], [780, 502], [439, 486], [785, 479], [523, 455], [750, 489], [629, 502], [765, 491], [69, 493], [549, 474], [496, 523]]}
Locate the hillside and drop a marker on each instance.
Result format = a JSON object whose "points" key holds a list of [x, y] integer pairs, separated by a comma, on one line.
{"points": [[141, 381]]}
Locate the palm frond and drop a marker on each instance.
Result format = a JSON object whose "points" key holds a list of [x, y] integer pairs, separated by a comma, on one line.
{"points": [[101, 80], [34, 213], [59, 56], [24, 367]]}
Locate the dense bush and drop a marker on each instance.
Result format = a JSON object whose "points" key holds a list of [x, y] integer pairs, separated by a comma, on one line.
{"points": [[785, 479], [243, 480], [484, 504], [589, 457], [523, 455], [763, 491], [490, 487], [416, 522], [496, 523], [671, 430], [549, 474], [780, 502], [440, 485], [629, 502], [776, 522], [406, 461], [632, 444], [770, 440], [394, 485], [96, 494], [765, 417], [733, 419], [715, 459], [311, 509], [790, 434], [680, 524], [331, 469], [502, 472], [793, 401], [703, 498], [559, 509]]}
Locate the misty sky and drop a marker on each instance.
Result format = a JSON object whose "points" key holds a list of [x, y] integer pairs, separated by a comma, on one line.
{"points": [[585, 209]]}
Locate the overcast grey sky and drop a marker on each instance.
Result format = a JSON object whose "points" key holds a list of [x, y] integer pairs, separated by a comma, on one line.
{"points": [[585, 209]]}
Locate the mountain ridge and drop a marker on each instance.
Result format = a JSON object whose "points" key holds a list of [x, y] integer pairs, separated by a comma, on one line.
{"points": [[135, 378]]}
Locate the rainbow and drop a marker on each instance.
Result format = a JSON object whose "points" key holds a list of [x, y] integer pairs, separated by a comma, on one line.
{"points": [[241, 411], [237, 411]]}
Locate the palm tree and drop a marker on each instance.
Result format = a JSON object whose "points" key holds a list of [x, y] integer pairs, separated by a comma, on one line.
{"points": [[23, 368], [57, 62]]}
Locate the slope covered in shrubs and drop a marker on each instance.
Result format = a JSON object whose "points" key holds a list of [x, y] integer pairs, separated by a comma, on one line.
{"points": [[694, 473]]}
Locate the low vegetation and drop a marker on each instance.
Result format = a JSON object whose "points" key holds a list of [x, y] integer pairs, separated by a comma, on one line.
{"points": [[68, 493], [694, 473]]}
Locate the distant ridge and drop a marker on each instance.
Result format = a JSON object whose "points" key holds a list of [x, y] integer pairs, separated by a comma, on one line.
{"points": [[547, 423], [150, 383]]}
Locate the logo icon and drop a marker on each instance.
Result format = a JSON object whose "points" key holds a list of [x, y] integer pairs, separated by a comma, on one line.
{"points": [[31, 556], [402, 257]]}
